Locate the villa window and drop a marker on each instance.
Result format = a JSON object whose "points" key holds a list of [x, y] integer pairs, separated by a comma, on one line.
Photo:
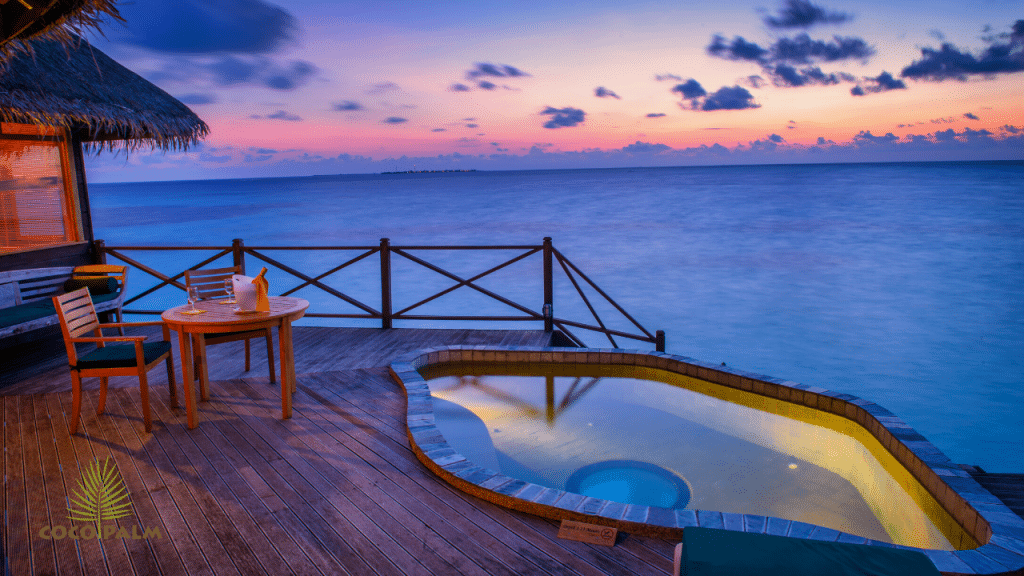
{"points": [[38, 199]]}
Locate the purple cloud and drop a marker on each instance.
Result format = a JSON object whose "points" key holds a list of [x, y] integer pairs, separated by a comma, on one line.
{"points": [[563, 117], [382, 87], [884, 82], [803, 14], [950, 63], [347, 106], [690, 89], [496, 70], [204, 27], [279, 115], [197, 99]]}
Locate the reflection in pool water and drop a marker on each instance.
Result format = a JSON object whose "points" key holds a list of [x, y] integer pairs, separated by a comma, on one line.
{"points": [[689, 443]]}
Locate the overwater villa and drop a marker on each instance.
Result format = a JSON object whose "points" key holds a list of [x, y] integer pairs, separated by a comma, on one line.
{"points": [[391, 450]]}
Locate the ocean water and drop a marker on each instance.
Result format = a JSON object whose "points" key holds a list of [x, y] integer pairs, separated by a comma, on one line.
{"points": [[899, 283]]}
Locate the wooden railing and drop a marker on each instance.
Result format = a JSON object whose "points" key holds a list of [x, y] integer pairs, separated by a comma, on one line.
{"points": [[386, 314]]}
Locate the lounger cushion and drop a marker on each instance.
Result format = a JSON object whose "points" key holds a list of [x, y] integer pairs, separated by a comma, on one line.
{"points": [[101, 298], [26, 312], [121, 355], [710, 551], [96, 286]]}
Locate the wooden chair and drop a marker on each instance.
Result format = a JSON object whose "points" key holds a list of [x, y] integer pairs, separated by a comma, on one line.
{"points": [[210, 283], [78, 317], [103, 271]]}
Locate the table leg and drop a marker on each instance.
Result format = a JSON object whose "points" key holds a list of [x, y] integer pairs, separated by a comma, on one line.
{"points": [[291, 356], [284, 341], [185, 348], [199, 342]]}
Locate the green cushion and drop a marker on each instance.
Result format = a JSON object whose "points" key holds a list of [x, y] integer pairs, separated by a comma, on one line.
{"points": [[96, 286], [121, 355], [101, 298], [41, 308], [26, 312], [710, 551]]}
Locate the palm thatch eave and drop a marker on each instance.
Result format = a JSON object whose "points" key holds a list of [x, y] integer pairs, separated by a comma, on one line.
{"points": [[82, 89], [59, 20]]}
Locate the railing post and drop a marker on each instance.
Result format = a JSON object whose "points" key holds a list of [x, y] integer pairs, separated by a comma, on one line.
{"points": [[385, 282], [659, 340], [549, 291], [99, 252], [238, 254]]}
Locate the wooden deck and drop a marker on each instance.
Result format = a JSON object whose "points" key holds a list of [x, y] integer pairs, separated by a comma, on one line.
{"points": [[1007, 487], [333, 490]]}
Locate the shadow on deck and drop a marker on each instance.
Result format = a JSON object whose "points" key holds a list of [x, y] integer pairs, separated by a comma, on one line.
{"points": [[333, 490]]}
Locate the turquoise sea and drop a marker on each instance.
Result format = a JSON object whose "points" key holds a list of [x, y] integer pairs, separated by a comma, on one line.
{"points": [[899, 283]]}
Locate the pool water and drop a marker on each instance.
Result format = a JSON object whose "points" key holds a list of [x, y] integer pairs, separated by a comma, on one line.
{"points": [[630, 481], [644, 436]]}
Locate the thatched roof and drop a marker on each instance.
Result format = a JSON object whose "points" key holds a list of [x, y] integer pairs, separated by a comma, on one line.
{"points": [[21, 21], [78, 87]]}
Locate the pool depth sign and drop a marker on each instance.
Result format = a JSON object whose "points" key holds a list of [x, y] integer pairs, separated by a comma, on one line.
{"points": [[589, 533]]}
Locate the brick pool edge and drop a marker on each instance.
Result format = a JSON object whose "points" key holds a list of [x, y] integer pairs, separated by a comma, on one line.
{"points": [[999, 531]]}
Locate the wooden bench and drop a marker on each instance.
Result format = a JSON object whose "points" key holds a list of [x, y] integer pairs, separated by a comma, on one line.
{"points": [[26, 302]]}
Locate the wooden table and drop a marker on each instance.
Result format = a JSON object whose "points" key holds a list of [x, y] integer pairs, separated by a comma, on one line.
{"points": [[220, 318]]}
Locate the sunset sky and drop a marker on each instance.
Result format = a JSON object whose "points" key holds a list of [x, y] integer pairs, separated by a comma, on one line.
{"points": [[297, 87]]}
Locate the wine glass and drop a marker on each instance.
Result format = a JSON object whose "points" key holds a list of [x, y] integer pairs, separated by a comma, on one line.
{"points": [[229, 287], [193, 297]]}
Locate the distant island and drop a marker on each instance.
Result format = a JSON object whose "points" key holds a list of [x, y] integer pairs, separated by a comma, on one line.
{"points": [[426, 171]]}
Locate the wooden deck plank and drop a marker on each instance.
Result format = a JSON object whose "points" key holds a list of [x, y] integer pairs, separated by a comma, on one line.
{"points": [[122, 554], [381, 547], [176, 476], [234, 545], [137, 461], [57, 444], [317, 349], [75, 456], [395, 421], [387, 460], [1006, 486], [453, 528], [254, 459], [387, 450], [333, 490], [391, 449], [106, 440], [268, 543], [43, 554], [369, 490], [16, 531]]}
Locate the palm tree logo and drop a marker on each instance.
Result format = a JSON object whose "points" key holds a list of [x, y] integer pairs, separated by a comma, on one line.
{"points": [[101, 496]]}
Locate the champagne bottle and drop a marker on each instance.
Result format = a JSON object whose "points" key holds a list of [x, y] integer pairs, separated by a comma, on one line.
{"points": [[262, 291]]}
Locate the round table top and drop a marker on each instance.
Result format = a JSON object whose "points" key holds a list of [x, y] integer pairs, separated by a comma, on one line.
{"points": [[225, 316]]}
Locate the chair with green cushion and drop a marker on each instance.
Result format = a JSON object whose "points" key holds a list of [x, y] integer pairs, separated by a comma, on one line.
{"points": [[715, 552], [111, 357], [210, 283], [104, 281]]}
